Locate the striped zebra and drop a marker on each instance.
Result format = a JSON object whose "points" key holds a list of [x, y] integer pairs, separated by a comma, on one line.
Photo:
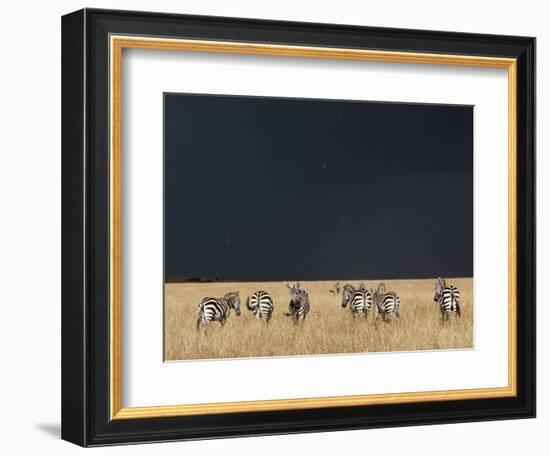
{"points": [[448, 298], [217, 309], [261, 304], [299, 303], [387, 303], [359, 300]]}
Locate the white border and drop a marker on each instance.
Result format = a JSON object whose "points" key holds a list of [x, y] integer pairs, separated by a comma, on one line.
{"points": [[149, 381]]}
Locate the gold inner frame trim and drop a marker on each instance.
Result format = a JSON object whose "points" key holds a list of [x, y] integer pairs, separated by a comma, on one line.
{"points": [[117, 44]]}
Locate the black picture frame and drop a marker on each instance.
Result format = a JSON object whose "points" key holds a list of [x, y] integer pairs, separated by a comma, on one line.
{"points": [[85, 228]]}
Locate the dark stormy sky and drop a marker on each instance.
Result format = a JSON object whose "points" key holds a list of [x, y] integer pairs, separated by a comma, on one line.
{"points": [[297, 189]]}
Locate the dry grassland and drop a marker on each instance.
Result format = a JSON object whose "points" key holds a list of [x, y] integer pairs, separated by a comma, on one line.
{"points": [[328, 329]]}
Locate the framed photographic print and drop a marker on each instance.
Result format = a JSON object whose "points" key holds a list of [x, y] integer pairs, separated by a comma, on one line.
{"points": [[299, 188], [275, 227]]}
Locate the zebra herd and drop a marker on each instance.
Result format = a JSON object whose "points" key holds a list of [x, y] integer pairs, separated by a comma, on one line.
{"points": [[362, 303]]}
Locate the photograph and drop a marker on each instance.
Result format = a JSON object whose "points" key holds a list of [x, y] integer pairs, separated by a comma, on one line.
{"points": [[284, 223], [299, 226]]}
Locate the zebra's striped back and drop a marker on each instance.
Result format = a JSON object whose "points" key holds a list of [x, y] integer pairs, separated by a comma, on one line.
{"points": [[217, 309], [261, 304], [448, 298], [299, 303], [387, 303], [361, 302]]}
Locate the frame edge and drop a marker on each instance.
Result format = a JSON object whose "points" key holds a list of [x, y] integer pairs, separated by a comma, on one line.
{"points": [[73, 302]]}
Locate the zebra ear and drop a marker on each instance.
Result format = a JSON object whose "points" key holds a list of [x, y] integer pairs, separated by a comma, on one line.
{"points": [[288, 286]]}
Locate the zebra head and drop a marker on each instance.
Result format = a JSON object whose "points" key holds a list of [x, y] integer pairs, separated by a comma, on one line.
{"points": [[234, 301], [347, 293], [294, 290], [297, 296], [439, 287]]}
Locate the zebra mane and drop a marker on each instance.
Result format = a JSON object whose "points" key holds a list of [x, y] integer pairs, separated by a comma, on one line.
{"points": [[347, 289], [440, 285]]}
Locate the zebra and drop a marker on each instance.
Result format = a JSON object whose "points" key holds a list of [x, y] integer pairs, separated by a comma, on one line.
{"points": [[261, 304], [299, 303], [387, 303], [355, 301], [217, 309], [448, 298], [359, 299]]}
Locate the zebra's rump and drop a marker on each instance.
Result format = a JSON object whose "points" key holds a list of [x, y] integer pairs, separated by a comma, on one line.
{"points": [[212, 309], [261, 304], [450, 300], [361, 302], [387, 304]]}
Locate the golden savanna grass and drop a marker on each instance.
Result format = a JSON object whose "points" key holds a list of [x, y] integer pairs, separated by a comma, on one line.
{"points": [[328, 329]]}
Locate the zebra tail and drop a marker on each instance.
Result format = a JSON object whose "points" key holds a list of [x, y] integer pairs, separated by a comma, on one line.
{"points": [[199, 314], [199, 322]]}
